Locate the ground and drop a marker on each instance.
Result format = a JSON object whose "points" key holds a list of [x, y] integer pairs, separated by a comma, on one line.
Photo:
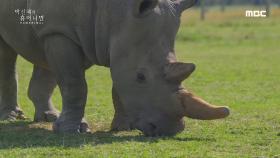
{"points": [[238, 64]]}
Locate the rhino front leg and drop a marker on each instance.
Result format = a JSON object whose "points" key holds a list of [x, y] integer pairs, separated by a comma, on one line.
{"points": [[9, 109], [121, 121], [40, 91], [66, 61]]}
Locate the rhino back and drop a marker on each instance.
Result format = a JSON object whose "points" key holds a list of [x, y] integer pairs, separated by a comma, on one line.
{"points": [[69, 18]]}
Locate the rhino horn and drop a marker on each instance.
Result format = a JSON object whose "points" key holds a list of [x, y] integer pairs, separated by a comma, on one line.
{"points": [[182, 5], [196, 108], [177, 72]]}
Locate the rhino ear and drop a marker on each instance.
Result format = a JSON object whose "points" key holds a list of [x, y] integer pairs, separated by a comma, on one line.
{"points": [[182, 5], [178, 72], [144, 7]]}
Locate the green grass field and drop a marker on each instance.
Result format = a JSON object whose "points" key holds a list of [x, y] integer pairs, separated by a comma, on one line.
{"points": [[238, 64]]}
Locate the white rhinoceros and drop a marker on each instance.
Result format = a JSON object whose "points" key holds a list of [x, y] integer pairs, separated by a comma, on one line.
{"points": [[134, 38]]}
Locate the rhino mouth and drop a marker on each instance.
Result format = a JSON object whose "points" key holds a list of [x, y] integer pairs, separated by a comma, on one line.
{"points": [[162, 128]]}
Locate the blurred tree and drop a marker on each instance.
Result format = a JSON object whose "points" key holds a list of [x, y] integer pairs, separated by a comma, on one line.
{"points": [[240, 2], [203, 4], [257, 2]]}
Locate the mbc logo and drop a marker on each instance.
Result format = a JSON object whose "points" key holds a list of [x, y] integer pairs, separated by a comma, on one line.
{"points": [[256, 13]]}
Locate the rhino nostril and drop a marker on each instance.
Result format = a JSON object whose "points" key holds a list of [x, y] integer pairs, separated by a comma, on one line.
{"points": [[141, 78]]}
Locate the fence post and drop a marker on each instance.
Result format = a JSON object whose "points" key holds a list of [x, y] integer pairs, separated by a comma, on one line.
{"points": [[267, 7], [203, 11], [223, 5]]}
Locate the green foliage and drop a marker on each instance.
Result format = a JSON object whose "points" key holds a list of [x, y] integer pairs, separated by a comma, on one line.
{"points": [[237, 65]]}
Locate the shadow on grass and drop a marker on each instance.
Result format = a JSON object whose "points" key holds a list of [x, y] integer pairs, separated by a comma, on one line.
{"points": [[27, 134]]}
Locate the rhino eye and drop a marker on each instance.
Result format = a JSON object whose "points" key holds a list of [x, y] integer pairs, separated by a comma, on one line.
{"points": [[144, 7], [141, 78]]}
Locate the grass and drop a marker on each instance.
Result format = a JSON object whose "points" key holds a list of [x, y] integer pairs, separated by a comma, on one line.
{"points": [[237, 65]]}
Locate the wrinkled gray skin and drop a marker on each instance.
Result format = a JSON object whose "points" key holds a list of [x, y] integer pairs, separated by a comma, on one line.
{"points": [[135, 38]]}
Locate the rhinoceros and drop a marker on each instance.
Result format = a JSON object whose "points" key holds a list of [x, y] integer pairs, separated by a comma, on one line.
{"points": [[134, 38]]}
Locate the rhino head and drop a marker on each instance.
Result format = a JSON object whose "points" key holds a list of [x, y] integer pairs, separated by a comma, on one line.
{"points": [[146, 74]]}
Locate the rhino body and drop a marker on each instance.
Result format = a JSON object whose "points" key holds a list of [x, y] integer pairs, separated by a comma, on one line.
{"points": [[134, 38]]}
